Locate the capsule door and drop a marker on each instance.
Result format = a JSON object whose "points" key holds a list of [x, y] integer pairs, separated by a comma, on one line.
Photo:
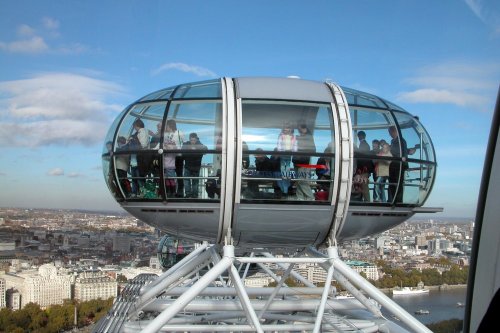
{"points": [[285, 173]]}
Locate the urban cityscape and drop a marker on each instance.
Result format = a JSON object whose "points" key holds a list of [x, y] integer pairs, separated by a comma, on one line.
{"points": [[48, 257]]}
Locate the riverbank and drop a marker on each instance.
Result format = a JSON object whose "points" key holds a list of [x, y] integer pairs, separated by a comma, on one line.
{"points": [[440, 287]]}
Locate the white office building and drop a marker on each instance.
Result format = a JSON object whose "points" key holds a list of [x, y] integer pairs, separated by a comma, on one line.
{"points": [[258, 280], [47, 288], [94, 285], [368, 269], [312, 272]]}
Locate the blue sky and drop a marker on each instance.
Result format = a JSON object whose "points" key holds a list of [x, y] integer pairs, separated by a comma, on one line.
{"points": [[67, 68]]}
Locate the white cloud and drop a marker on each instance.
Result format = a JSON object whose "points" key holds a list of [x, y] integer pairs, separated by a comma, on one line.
{"points": [[3, 174], [34, 41], [56, 108], [76, 175], [53, 132], [462, 84], [197, 70], [55, 172], [442, 96], [488, 11], [73, 48], [35, 44], [25, 30], [50, 23]]}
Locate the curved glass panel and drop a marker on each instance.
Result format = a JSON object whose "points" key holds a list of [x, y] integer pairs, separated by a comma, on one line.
{"points": [[160, 94], [371, 162], [108, 141], [127, 184], [283, 146], [141, 127], [380, 175], [358, 98], [417, 148], [192, 146], [107, 160], [108, 170], [204, 89], [393, 106], [136, 156]]}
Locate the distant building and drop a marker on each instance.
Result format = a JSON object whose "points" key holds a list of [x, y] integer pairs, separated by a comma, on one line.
{"points": [[94, 285], [258, 280], [14, 286], [83, 240], [132, 272], [380, 242], [445, 244], [48, 288], [434, 246], [13, 298], [420, 241], [154, 262], [370, 270], [3, 290], [66, 241], [312, 272], [7, 246], [121, 244], [419, 265]]}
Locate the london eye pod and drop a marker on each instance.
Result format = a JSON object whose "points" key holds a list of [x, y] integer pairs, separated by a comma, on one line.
{"points": [[272, 162]]}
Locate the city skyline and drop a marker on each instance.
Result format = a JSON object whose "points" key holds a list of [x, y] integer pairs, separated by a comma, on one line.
{"points": [[68, 69]]}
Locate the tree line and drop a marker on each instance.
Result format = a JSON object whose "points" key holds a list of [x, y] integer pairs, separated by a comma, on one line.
{"points": [[56, 318], [394, 277]]}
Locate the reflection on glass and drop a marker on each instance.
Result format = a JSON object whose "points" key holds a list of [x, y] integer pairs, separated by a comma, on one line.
{"points": [[204, 89], [161, 94], [280, 145]]}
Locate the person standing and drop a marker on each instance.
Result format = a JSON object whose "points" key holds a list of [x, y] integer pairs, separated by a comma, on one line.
{"points": [[175, 135], [286, 143], [382, 172], [398, 149], [169, 168], [305, 144], [376, 149], [192, 164], [122, 163], [364, 165], [140, 140], [263, 169]]}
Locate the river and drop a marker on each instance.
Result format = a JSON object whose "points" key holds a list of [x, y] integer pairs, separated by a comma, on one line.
{"points": [[442, 305]]}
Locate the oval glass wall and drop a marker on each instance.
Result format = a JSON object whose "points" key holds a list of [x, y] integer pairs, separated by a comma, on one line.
{"points": [[372, 156], [418, 172]]}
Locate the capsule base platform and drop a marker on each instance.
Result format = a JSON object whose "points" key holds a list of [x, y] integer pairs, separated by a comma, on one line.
{"points": [[206, 292]]}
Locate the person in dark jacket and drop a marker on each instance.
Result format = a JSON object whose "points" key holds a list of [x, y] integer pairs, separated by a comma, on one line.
{"points": [[192, 164], [264, 169], [364, 165], [398, 149]]}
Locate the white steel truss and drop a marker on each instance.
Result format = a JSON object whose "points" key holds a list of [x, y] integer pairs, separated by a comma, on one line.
{"points": [[205, 292]]}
